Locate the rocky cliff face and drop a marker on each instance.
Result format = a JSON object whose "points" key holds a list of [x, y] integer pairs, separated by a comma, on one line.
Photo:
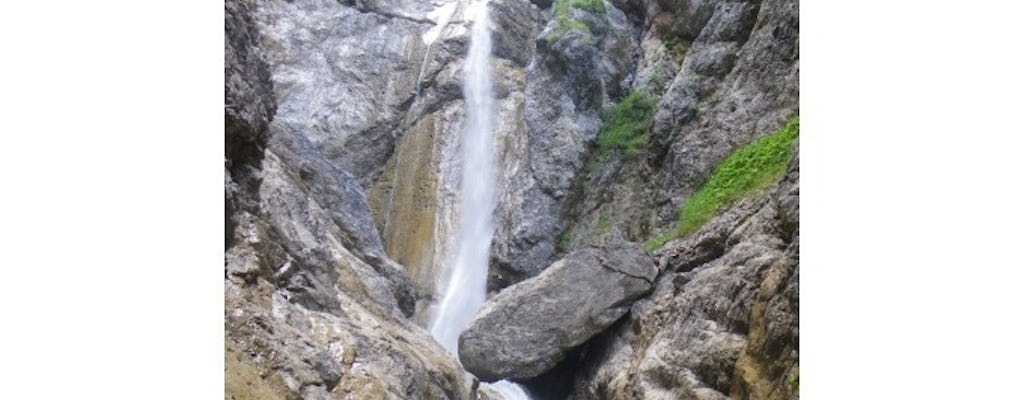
{"points": [[341, 128], [314, 306], [722, 321]]}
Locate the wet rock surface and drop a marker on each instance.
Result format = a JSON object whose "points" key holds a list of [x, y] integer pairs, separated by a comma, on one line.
{"points": [[529, 327]]}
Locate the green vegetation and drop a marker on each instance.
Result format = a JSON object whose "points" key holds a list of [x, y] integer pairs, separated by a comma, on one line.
{"points": [[593, 163], [563, 16], [564, 239], [656, 242], [676, 47], [746, 171], [595, 7], [749, 169], [603, 225], [656, 78], [624, 125]]}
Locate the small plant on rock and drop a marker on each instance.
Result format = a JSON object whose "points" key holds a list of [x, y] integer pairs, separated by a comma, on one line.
{"points": [[624, 125], [676, 47], [564, 240], [747, 170], [660, 240], [563, 17]]}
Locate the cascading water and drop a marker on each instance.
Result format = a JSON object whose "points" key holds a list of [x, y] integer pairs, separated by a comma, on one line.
{"points": [[466, 272], [508, 390]]}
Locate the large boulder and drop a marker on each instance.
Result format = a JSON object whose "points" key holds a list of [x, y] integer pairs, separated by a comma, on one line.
{"points": [[529, 327]]}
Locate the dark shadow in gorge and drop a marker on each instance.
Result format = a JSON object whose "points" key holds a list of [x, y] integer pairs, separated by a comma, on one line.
{"points": [[556, 384], [559, 382]]}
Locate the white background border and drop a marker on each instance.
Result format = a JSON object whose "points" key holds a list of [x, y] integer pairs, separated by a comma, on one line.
{"points": [[111, 164]]}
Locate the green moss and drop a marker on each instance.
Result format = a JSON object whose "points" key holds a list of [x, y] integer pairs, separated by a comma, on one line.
{"points": [[595, 7], [656, 242], [747, 170], [593, 163], [676, 47], [563, 16], [603, 225], [564, 239], [655, 78], [624, 125]]}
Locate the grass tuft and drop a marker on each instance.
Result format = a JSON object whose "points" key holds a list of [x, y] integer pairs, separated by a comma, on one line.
{"points": [[603, 225], [563, 16], [564, 240], [656, 242], [624, 125], [676, 47], [747, 170]]}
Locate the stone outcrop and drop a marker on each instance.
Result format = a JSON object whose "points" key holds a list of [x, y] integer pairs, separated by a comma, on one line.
{"points": [[724, 73], [344, 75], [249, 102], [529, 327], [738, 80], [314, 306], [568, 80], [723, 319], [249, 105]]}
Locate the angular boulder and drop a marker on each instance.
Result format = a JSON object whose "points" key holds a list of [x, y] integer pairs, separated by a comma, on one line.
{"points": [[529, 327]]}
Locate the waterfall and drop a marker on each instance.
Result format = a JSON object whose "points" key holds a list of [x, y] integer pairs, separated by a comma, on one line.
{"points": [[507, 390], [466, 271]]}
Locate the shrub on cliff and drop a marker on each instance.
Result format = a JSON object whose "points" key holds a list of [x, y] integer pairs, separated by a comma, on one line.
{"points": [[565, 21], [624, 125]]}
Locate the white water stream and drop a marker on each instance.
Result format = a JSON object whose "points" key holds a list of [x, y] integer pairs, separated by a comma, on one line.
{"points": [[466, 269]]}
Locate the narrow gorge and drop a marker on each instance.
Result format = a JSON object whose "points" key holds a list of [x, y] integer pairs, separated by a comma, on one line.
{"points": [[511, 199]]}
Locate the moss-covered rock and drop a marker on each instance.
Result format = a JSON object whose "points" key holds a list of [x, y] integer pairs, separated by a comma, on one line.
{"points": [[624, 125], [748, 170]]}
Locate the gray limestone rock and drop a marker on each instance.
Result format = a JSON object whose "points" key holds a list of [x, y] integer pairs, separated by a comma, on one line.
{"points": [[516, 24], [314, 308], [249, 106], [568, 81], [738, 81], [344, 76], [722, 321], [529, 327], [249, 102]]}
